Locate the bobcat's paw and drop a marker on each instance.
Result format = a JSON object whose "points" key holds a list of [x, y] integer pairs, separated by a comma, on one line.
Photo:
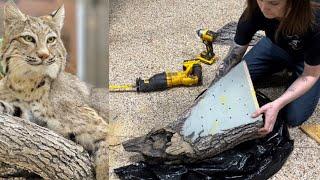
{"points": [[6, 108]]}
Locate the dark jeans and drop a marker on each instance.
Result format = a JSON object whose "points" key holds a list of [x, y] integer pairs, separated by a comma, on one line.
{"points": [[266, 58]]}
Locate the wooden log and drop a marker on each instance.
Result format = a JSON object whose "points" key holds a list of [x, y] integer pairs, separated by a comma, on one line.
{"points": [[12, 172], [218, 120], [37, 150]]}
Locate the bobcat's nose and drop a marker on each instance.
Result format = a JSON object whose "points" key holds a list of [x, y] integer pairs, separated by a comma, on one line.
{"points": [[43, 53]]}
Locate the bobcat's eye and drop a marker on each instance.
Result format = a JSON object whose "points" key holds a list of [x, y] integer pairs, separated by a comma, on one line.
{"points": [[51, 39], [29, 38]]}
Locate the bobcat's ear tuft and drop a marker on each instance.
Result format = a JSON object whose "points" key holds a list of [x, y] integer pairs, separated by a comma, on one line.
{"points": [[58, 17], [12, 13]]}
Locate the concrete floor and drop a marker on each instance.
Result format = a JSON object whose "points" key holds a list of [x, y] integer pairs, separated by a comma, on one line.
{"points": [[151, 36]]}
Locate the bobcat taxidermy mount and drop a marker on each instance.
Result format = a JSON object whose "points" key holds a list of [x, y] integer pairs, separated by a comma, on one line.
{"points": [[36, 87]]}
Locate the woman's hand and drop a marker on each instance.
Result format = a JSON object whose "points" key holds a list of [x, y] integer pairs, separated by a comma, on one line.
{"points": [[270, 112], [301, 85]]}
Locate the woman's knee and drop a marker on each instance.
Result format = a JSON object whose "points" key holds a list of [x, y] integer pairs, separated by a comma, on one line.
{"points": [[295, 122], [302, 108], [296, 116]]}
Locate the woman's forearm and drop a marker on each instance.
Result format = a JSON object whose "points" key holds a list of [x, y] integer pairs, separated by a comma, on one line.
{"points": [[300, 86]]}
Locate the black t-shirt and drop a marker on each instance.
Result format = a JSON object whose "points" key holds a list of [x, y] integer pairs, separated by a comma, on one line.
{"points": [[300, 47]]}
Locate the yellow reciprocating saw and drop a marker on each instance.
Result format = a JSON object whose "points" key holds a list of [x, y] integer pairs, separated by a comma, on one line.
{"points": [[190, 76]]}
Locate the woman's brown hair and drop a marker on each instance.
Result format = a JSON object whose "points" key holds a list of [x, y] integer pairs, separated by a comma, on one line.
{"points": [[299, 16]]}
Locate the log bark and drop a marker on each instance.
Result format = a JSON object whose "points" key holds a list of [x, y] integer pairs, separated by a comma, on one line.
{"points": [[172, 145], [169, 146], [34, 149]]}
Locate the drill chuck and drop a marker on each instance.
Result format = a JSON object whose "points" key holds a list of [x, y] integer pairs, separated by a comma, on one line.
{"points": [[206, 35]]}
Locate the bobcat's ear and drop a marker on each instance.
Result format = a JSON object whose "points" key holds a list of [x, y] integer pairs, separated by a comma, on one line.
{"points": [[58, 17], [12, 13]]}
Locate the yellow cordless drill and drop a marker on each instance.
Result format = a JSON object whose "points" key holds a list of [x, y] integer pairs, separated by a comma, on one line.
{"points": [[208, 56], [190, 76]]}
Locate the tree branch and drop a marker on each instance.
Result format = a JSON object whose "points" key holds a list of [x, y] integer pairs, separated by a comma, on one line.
{"points": [[30, 147]]}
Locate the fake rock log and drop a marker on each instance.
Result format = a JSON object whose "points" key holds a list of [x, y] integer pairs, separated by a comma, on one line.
{"points": [[218, 120]]}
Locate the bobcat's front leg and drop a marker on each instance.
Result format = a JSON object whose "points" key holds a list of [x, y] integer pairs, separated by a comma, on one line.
{"points": [[101, 160], [7, 108]]}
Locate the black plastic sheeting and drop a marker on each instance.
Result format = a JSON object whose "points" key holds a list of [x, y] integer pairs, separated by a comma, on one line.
{"points": [[254, 159]]}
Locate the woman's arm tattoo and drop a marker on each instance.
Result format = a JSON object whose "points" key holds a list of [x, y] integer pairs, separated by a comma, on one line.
{"points": [[292, 88], [304, 79]]}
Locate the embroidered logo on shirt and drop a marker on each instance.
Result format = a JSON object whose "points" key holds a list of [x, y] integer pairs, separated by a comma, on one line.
{"points": [[294, 42]]}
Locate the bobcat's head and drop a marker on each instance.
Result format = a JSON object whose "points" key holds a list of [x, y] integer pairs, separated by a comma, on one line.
{"points": [[32, 46]]}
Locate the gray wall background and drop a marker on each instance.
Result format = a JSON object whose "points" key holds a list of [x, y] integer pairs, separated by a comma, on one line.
{"points": [[95, 20]]}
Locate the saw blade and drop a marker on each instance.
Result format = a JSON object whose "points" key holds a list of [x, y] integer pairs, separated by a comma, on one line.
{"points": [[122, 88]]}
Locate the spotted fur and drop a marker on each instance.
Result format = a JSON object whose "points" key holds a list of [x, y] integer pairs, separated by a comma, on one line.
{"points": [[36, 88]]}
